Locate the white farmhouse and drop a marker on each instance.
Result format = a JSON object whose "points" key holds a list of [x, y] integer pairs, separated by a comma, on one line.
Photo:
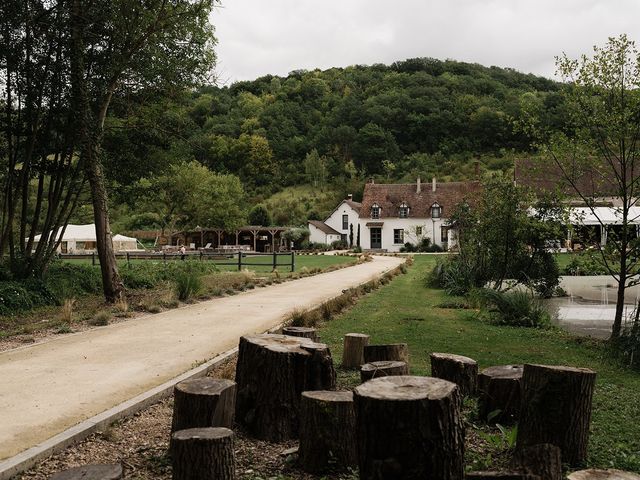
{"points": [[391, 215]]}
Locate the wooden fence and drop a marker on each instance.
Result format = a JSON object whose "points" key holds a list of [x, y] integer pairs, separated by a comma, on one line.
{"points": [[239, 259]]}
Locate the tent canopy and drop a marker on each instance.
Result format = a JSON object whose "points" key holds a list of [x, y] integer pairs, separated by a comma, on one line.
{"points": [[602, 215], [85, 233]]}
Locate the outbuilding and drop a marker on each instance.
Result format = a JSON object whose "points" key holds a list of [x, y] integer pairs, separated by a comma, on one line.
{"points": [[81, 239]]}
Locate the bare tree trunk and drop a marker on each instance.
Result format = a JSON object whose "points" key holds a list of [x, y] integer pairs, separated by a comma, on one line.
{"points": [[89, 132]]}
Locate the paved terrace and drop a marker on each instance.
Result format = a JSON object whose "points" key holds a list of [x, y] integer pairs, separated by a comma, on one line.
{"points": [[48, 387]]}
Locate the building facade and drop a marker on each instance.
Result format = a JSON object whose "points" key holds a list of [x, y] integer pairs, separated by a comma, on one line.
{"points": [[391, 215]]}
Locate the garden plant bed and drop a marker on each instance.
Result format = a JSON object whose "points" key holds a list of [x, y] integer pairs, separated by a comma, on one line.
{"points": [[39, 324]]}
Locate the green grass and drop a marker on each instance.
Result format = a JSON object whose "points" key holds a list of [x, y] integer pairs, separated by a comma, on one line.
{"points": [[564, 259], [263, 263], [405, 311]]}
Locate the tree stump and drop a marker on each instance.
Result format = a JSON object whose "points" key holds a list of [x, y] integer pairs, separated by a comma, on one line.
{"points": [[393, 352], [353, 353], [608, 474], [202, 453], [327, 431], [543, 460], [203, 402], [382, 369], [91, 472], [306, 332], [501, 475], [499, 390], [409, 427], [463, 371], [556, 409], [271, 374]]}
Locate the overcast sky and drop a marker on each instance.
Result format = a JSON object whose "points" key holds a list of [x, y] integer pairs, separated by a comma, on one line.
{"points": [[259, 37]]}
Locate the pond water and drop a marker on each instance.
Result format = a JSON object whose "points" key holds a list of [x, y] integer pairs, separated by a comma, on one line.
{"points": [[590, 306]]}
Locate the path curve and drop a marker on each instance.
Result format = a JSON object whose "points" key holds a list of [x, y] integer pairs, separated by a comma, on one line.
{"points": [[49, 387]]}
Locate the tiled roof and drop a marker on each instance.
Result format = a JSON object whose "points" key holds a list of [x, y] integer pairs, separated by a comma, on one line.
{"points": [[389, 197], [355, 205], [544, 175], [323, 227]]}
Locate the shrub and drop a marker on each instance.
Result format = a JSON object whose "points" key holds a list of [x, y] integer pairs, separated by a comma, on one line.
{"points": [[517, 308], [584, 264], [455, 276], [100, 319], [187, 284], [408, 247], [627, 346], [14, 298]]}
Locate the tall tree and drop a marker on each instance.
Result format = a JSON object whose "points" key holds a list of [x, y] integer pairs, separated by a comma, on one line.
{"points": [[128, 45], [603, 97]]}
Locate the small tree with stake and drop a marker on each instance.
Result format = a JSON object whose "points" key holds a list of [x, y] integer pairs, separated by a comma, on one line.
{"points": [[603, 98]]}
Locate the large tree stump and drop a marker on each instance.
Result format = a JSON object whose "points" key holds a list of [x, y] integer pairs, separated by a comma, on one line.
{"points": [[393, 352], [382, 369], [203, 402], [501, 476], [499, 390], [271, 374], [327, 431], [353, 353], [409, 427], [556, 409], [543, 460], [463, 371], [608, 474], [306, 332], [203, 453], [91, 472]]}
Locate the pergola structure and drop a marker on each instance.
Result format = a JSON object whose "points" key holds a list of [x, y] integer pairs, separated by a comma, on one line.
{"points": [[251, 237]]}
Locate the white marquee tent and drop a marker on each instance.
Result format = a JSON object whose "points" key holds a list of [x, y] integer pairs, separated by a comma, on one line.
{"points": [[82, 239]]}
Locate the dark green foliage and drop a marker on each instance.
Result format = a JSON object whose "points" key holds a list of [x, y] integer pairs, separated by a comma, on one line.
{"points": [[627, 345], [456, 276], [259, 215], [585, 264], [517, 308]]}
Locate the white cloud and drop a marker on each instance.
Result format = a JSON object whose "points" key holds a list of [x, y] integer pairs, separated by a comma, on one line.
{"points": [[258, 37]]}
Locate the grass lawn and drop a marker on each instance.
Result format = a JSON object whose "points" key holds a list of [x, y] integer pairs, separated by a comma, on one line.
{"points": [[406, 311]]}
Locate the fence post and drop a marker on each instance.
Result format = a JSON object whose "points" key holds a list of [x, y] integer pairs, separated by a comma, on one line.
{"points": [[93, 258], [239, 260], [293, 261], [128, 260], [275, 259], [201, 255], [164, 257]]}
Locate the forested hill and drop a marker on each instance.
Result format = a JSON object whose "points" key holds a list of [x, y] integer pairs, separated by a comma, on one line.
{"points": [[416, 117]]}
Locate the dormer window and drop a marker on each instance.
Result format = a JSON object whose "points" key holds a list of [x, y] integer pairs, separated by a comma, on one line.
{"points": [[404, 210], [436, 211], [375, 211]]}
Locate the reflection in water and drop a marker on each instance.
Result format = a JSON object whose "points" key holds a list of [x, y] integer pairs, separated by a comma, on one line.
{"points": [[590, 307]]}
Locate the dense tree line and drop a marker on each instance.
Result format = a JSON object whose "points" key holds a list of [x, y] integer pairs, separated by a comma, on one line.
{"points": [[416, 117]]}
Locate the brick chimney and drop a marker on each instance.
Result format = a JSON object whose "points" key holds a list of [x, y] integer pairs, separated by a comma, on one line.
{"points": [[418, 186], [433, 184]]}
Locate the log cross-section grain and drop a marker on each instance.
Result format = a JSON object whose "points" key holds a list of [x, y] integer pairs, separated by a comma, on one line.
{"points": [[271, 374], [203, 453], [327, 431], [543, 460], [382, 369], [597, 474], [91, 472], [306, 332], [501, 476], [203, 402], [556, 409], [463, 371], [499, 391], [393, 352], [409, 427], [353, 353]]}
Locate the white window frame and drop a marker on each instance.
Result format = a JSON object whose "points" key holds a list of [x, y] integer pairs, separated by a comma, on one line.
{"points": [[401, 236]]}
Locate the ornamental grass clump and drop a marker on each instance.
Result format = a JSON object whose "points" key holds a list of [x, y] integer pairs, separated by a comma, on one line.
{"points": [[187, 285], [517, 308]]}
